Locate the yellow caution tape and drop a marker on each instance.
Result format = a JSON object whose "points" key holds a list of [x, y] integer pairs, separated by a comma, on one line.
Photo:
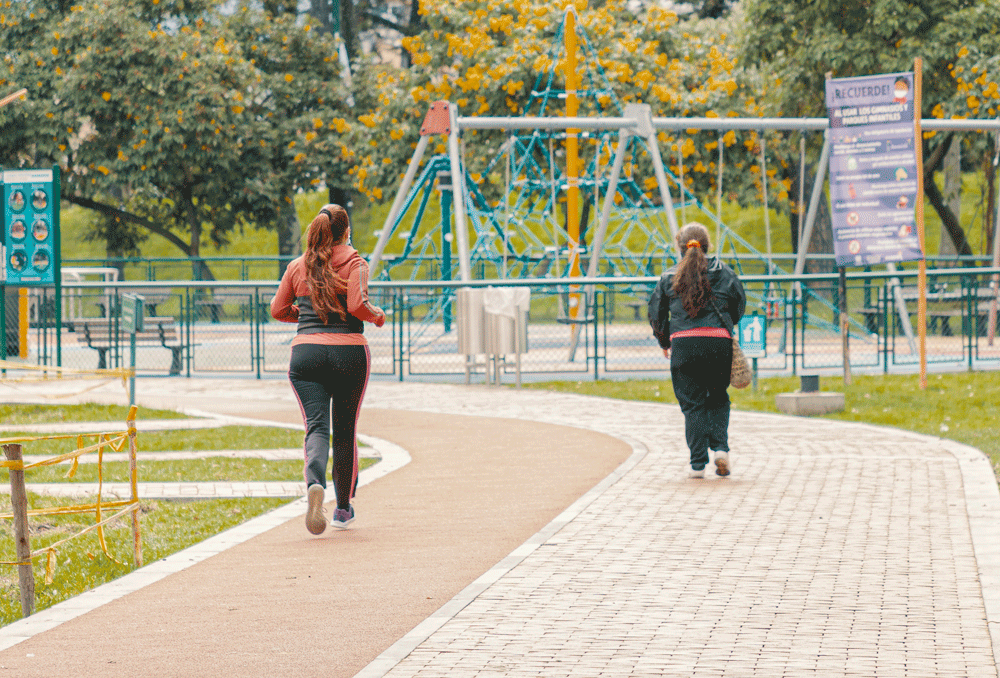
{"points": [[122, 373], [113, 440]]}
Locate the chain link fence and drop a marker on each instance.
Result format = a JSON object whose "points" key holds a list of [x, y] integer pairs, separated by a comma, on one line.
{"points": [[595, 328]]}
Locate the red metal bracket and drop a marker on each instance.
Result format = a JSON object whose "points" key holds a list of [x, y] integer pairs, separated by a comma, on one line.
{"points": [[437, 121]]}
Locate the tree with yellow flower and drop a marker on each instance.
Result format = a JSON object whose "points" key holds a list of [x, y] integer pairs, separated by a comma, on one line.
{"points": [[491, 58]]}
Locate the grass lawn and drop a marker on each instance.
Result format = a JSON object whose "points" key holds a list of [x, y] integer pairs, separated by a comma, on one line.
{"points": [[167, 526], [962, 407]]}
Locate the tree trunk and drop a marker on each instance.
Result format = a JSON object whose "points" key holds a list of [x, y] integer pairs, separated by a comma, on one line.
{"points": [[341, 196], [951, 170], [320, 10], [289, 234], [949, 222], [349, 28], [199, 268], [822, 240]]}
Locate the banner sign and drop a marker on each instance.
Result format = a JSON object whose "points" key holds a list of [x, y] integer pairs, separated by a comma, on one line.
{"points": [[30, 203], [873, 169]]}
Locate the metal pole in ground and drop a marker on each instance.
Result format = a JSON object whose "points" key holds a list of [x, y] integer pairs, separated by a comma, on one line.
{"points": [[19, 505]]}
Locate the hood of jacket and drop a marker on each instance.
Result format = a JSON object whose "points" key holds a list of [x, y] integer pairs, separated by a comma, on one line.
{"points": [[343, 258]]}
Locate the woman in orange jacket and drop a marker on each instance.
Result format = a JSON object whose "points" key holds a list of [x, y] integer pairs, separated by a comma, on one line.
{"points": [[325, 291]]}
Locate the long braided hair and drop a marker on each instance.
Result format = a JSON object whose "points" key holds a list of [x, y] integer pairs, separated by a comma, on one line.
{"points": [[326, 288], [691, 282]]}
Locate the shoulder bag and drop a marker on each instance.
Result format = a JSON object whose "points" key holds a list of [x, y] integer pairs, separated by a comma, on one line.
{"points": [[740, 375]]}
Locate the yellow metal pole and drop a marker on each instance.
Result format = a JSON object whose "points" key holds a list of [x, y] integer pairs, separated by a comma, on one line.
{"points": [[918, 147], [572, 166], [22, 322]]}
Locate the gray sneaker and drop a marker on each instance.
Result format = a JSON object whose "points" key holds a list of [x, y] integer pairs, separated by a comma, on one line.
{"points": [[342, 518], [315, 520], [722, 464]]}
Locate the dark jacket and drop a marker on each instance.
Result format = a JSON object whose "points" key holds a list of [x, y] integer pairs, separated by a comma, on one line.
{"points": [[667, 314]]}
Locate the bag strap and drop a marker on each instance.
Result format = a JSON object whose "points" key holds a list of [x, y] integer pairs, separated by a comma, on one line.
{"points": [[723, 317]]}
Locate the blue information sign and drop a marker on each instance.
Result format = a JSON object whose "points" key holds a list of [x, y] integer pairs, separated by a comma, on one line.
{"points": [[30, 210], [753, 336], [873, 169]]}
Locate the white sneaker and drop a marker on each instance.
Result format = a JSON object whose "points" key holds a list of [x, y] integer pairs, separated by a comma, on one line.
{"points": [[315, 520], [696, 474], [722, 463]]}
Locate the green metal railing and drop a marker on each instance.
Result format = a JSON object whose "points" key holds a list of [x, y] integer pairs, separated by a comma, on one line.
{"points": [[226, 328]]}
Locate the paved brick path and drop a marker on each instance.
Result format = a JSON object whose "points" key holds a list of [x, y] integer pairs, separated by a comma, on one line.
{"points": [[833, 549]]}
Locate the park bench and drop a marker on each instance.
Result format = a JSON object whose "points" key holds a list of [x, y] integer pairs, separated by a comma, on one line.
{"points": [[944, 316], [215, 301], [152, 297], [942, 307], [98, 334]]}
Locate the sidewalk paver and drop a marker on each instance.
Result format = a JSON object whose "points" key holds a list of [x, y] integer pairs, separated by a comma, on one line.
{"points": [[833, 549]]}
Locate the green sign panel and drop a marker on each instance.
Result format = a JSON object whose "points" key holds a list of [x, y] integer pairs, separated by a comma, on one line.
{"points": [[31, 226], [131, 318]]}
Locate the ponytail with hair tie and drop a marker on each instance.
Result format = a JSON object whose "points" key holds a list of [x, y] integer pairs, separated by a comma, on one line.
{"points": [[693, 243]]}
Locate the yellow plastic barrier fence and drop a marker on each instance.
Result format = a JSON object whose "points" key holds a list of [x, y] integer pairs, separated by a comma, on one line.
{"points": [[114, 441], [41, 373]]}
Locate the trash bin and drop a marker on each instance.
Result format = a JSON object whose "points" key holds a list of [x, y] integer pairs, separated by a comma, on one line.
{"points": [[471, 321], [506, 310]]}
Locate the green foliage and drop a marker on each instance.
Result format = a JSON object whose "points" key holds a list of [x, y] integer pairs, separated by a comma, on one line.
{"points": [[191, 119], [16, 414], [219, 469], [796, 44], [489, 58], [221, 438]]}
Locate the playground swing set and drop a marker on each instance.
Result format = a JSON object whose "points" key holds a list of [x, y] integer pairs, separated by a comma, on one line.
{"points": [[631, 233]]}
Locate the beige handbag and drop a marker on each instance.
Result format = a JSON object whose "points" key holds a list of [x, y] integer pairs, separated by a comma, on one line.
{"points": [[740, 375]]}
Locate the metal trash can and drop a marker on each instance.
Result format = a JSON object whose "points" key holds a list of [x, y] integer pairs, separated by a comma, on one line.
{"points": [[471, 321], [506, 310]]}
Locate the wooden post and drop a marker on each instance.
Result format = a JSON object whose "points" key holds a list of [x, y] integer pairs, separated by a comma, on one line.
{"points": [[133, 467], [19, 502]]}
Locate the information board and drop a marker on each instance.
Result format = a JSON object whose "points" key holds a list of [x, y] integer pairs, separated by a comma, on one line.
{"points": [[753, 336], [873, 169], [30, 209]]}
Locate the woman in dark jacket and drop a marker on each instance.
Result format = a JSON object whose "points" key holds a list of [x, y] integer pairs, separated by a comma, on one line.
{"points": [[691, 332]]}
